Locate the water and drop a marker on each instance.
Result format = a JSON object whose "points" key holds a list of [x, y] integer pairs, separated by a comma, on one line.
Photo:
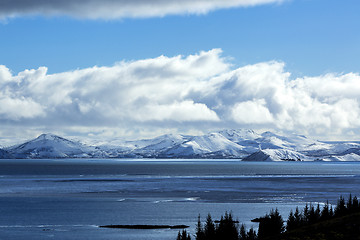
{"points": [[69, 199]]}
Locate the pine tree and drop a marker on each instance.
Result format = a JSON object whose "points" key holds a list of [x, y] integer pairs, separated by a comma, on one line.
{"points": [[271, 225], [278, 222], [243, 234], [251, 235], [178, 236], [264, 227], [355, 204], [340, 208], [183, 236], [331, 212], [298, 217], [325, 212], [312, 216], [306, 214], [227, 228], [291, 222], [209, 229], [199, 230], [317, 213], [349, 203]]}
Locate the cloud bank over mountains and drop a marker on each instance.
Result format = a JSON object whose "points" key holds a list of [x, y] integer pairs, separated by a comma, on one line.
{"points": [[117, 9], [198, 92]]}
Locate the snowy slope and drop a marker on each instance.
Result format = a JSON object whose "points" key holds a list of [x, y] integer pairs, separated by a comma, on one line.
{"points": [[157, 146], [276, 155], [159, 143], [4, 154], [50, 146], [352, 157], [292, 141], [247, 138], [239, 135], [213, 144]]}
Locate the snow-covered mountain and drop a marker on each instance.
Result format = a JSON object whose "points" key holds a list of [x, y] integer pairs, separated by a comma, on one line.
{"points": [[213, 145], [50, 146], [4, 154], [239, 144], [156, 147], [276, 155]]}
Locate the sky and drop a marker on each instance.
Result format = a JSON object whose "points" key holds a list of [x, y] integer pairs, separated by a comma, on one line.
{"points": [[131, 69]]}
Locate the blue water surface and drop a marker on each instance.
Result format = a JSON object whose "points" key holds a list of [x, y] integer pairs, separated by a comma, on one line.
{"points": [[69, 199]]}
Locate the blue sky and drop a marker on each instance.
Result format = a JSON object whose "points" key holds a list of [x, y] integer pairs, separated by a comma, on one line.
{"points": [[311, 37], [303, 41]]}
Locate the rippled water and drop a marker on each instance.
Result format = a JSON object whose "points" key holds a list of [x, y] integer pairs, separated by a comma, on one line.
{"points": [[69, 199]]}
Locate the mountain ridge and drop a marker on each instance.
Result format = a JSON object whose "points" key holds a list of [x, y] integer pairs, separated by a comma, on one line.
{"points": [[243, 144]]}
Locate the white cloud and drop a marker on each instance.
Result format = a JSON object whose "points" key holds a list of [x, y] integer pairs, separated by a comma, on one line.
{"points": [[178, 111], [188, 93], [146, 90], [330, 87], [252, 112], [13, 105], [114, 9], [5, 74], [16, 109]]}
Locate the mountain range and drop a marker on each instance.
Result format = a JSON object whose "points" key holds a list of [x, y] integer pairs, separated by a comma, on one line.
{"points": [[244, 144]]}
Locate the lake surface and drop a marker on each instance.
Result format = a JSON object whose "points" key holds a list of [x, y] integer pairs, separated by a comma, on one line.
{"points": [[69, 199]]}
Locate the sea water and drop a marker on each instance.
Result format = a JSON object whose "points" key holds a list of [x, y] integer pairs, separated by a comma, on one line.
{"points": [[69, 199]]}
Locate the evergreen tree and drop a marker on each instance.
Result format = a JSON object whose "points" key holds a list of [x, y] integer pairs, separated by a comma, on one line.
{"points": [[331, 212], [355, 204], [298, 217], [251, 235], [243, 234], [311, 215], [187, 235], [340, 209], [199, 230], [291, 222], [227, 229], [325, 212], [264, 227], [209, 229], [271, 225], [352, 205], [277, 221], [349, 204], [317, 213], [306, 214], [183, 236]]}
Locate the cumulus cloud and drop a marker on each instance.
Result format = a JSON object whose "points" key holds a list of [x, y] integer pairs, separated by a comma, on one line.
{"points": [[252, 112], [146, 90], [15, 109], [114, 9], [13, 106], [198, 92], [5, 74]]}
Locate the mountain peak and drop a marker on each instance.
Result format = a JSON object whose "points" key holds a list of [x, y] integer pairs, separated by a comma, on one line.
{"points": [[239, 134], [47, 136], [49, 145]]}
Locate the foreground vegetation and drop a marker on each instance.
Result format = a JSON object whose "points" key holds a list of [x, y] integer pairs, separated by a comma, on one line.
{"points": [[310, 223]]}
